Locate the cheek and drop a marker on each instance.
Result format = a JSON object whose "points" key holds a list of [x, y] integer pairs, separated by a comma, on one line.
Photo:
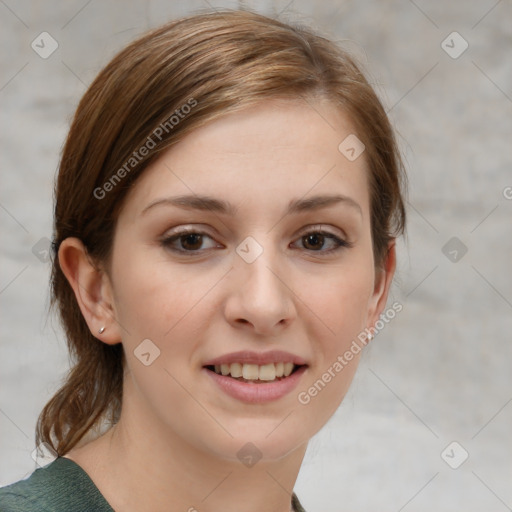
{"points": [[152, 298], [169, 306], [339, 299], [337, 310], [158, 310]]}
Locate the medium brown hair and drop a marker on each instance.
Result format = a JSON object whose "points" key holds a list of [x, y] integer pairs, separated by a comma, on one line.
{"points": [[215, 63]]}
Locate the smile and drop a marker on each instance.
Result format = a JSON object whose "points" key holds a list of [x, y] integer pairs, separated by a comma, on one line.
{"points": [[253, 372], [256, 390]]}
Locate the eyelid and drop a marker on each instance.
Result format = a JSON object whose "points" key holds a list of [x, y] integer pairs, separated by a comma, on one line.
{"points": [[324, 228], [341, 239], [174, 235], [197, 228]]}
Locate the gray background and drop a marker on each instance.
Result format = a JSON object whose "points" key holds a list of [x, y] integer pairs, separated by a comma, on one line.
{"points": [[441, 370]]}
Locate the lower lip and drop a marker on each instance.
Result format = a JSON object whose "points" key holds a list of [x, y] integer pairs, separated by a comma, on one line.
{"points": [[254, 393]]}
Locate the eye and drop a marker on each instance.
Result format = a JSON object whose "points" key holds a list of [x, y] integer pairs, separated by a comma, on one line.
{"points": [[190, 241], [315, 239]]}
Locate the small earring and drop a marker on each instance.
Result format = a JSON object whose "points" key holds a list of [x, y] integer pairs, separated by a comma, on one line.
{"points": [[102, 330], [369, 337]]}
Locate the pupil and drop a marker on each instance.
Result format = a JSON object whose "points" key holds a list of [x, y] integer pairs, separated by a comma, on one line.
{"points": [[315, 237], [195, 237]]}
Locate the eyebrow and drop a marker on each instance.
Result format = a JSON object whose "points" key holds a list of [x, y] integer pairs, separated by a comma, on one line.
{"points": [[208, 203]]}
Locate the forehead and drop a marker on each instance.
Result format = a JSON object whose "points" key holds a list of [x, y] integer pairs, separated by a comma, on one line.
{"points": [[259, 157]]}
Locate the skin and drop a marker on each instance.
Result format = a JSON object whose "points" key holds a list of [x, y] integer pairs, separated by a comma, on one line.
{"points": [[178, 436]]}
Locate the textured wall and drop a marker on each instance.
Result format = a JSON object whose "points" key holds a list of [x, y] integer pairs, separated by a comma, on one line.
{"points": [[441, 370]]}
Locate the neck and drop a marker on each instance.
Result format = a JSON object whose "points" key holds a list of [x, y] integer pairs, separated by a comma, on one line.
{"points": [[142, 465]]}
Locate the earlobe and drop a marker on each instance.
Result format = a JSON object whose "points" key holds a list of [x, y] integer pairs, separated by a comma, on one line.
{"points": [[92, 290], [383, 280]]}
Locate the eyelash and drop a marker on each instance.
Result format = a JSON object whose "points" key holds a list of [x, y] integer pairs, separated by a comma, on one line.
{"points": [[167, 241]]}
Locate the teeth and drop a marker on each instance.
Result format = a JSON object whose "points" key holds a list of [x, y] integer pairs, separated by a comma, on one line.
{"points": [[288, 367], [235, 369], [266, 372], [250, 371]]}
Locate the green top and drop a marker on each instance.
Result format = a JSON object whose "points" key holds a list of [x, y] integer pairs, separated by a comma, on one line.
{"points": [[62, 486]]}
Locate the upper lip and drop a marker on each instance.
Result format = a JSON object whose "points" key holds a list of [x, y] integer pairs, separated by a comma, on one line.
{"points": [[259, 358]]}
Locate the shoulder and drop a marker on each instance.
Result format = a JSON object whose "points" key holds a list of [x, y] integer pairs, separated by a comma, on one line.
{"points": [[25, 495], [60, 486]]}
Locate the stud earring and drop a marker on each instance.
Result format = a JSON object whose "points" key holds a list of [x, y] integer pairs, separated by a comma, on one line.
{"points": [[369, 337], [102, 330]]}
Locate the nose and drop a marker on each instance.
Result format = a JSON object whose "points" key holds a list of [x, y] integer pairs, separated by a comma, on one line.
{"points": [[260, 297]]}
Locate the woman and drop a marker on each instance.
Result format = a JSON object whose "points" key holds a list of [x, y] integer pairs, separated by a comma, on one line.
{"points": [[227, 205]]}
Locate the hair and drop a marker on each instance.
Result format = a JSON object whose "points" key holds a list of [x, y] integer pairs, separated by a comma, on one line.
{"points": [[162, 86]]}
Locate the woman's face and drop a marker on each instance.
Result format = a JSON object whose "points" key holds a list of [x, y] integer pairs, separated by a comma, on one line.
{"points": [[266, 266]]}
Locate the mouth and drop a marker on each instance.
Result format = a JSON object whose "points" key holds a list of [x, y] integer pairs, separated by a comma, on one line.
{"points": [[256, 384], [256, 377], [256, 374]]}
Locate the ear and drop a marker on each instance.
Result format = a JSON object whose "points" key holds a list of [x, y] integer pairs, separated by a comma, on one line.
{"points": [[93, 290], [383, 279]]}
